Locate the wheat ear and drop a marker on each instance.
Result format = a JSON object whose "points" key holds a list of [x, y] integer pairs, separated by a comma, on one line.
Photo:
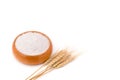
{"points": [[60, 59]]}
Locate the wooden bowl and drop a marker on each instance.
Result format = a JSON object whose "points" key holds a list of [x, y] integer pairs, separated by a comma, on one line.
{"points": [[32, 47]]}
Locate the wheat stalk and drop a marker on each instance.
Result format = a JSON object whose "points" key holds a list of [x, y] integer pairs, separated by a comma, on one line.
{"points": [[60, 59]]}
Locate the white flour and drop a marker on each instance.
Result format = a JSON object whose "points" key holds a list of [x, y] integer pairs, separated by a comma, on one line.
{"points": [[32, 43]]}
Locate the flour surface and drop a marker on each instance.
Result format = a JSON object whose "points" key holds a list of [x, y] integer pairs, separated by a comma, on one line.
{"points": [[32, 43]]}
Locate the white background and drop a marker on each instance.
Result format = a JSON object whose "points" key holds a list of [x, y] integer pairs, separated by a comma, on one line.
{"points": [[91, 27]]}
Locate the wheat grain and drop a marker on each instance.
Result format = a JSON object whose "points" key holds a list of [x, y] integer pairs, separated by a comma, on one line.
{"points": [[59, 56]]}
